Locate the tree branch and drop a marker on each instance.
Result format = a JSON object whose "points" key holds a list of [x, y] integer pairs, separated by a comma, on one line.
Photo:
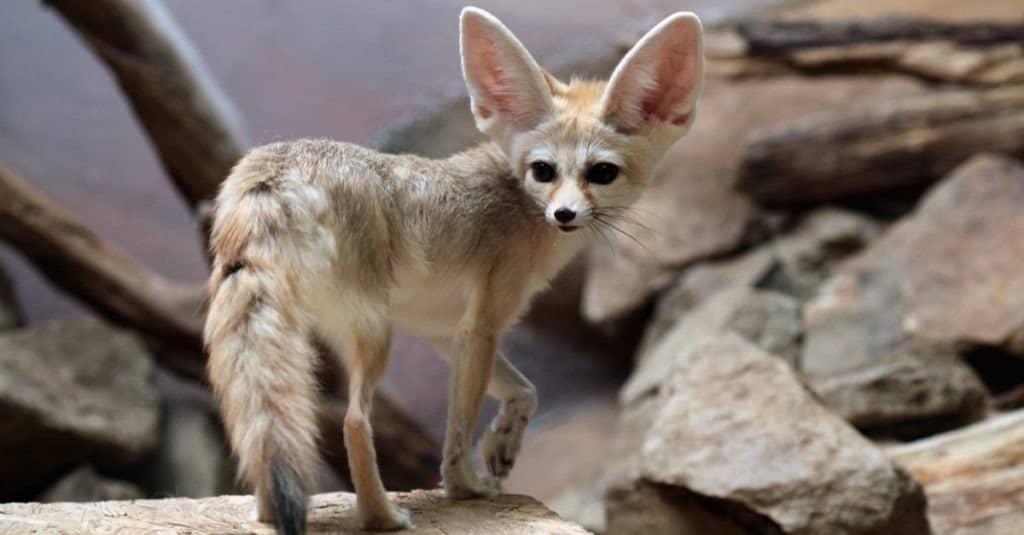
{"points": [[189, 120], [82, 264]]}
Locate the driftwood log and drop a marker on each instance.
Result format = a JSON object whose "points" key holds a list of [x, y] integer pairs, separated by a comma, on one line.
{"points": [[881, 146], [189, 120], [88, 267], [432, 513], [987, 54]]}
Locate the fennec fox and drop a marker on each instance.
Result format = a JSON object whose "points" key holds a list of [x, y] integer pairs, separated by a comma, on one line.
{"points": [[318, 240]]}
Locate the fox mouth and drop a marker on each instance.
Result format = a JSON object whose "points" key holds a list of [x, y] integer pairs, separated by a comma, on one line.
{"points": [[568, 228]]}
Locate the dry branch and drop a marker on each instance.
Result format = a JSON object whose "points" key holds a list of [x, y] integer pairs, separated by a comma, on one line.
{"points": [[882, 146], [987, 54], [86, 266], [187, 117]]}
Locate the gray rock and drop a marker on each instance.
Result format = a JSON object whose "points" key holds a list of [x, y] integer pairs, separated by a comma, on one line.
{"points": [[947, 277], [191, 460], [10, 312], [71, 391], [769, 319], [737, 428], [85, 485]]}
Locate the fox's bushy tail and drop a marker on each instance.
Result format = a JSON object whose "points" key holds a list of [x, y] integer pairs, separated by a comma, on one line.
{"points": [[261, 361]]}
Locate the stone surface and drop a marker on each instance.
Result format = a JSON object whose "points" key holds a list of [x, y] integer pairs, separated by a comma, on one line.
{"points": [[736, 426], [769, 319], [973, 477], [691, 212], [192, 458], [71, 391], [85, 485], [329, 513], [947, 276]]}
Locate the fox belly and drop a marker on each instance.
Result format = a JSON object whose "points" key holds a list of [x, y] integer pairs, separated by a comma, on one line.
{"points": [[429, 306]]}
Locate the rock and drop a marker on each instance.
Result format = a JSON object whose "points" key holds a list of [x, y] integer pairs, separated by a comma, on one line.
{"points": [[794, 263], [334, 513], [85, 485], [810, 252], [947, 276], [192, 459], [691, 211], [768, 319], [973, 477], [738, 430], [646, 509], [914, 392], [71, 391]]}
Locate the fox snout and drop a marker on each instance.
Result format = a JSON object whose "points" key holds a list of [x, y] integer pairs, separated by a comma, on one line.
{"points": [[568, 208]]}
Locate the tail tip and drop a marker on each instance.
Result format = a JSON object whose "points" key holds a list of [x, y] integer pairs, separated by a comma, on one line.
{"points": [[289, 497]]}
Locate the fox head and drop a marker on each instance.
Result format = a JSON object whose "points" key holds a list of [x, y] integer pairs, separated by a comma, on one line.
{"points": [[585, 149]]}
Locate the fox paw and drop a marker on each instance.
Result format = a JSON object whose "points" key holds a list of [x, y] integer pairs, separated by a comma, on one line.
{"points": [[472, 486], [394, 518]]}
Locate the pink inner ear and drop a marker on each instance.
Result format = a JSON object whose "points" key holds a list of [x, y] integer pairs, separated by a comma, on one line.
{"points": [[674, 79]]}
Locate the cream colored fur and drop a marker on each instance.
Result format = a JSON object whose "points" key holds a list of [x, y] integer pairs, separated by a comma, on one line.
{"points": [[315, 239]]}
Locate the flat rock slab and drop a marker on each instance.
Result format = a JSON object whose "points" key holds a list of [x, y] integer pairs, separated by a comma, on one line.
{"points": [[432, 513], [72, 391], [973, 477]]}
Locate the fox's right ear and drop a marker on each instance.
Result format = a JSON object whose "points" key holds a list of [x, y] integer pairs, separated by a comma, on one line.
{"points": [[507, 89]]}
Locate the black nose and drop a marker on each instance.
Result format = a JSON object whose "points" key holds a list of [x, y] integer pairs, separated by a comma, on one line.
{"points": [[564, 215]]}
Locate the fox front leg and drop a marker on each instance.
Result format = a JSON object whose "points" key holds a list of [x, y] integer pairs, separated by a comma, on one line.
{"points": [[504, 436]]}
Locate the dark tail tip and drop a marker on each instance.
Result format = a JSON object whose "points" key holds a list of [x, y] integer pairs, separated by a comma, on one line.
{"points": [[289, 495]]}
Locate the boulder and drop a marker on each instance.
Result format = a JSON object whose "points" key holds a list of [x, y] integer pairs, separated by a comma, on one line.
{"points": [[85, 485], [795, 263], [945, 278], [769, 319], [691, 210], [432, 513], [973, 477], [737, 430], [192, 458], [71, 391]]}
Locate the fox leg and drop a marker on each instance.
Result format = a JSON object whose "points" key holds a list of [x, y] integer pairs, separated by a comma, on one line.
{"points": [[472, 363], [365, 351], [518, 397]]}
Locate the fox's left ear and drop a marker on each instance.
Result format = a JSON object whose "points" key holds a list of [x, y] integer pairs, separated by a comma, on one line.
{"points": [[658, 82], [507, 88]]}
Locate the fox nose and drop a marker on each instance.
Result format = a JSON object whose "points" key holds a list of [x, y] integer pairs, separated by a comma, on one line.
{"points": [[564, 215]]}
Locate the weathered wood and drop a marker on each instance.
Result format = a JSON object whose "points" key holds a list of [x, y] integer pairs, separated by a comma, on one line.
{"points": [[765, 37], [985, 54], [881, 146], [973, 477], [189, 120], [432, 514], [95, 271]]}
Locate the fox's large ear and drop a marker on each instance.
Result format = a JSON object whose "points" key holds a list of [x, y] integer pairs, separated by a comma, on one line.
{"points": [[507, 89], [658, 82]]}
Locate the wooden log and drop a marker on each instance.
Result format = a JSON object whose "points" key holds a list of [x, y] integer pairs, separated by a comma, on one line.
{"points": [[878, 147], [432, 513], [191, 123], [83, 264], [973, 477], [985, 54], [765, 37]]}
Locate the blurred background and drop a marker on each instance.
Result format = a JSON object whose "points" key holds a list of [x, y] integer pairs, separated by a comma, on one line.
{"points": [[818, 309]]}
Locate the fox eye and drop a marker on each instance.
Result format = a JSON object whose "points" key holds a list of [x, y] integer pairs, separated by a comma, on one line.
{"points": [[602, 173], [542, 171]]}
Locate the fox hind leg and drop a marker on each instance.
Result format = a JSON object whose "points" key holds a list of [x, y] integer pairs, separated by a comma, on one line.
{"points": [[365, 352]]}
